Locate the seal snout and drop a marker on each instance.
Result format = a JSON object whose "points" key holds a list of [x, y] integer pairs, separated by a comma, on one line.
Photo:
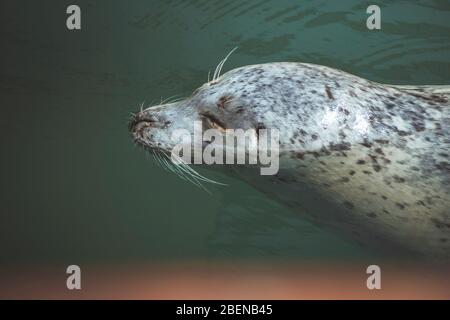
{"points": [[140, 123]]}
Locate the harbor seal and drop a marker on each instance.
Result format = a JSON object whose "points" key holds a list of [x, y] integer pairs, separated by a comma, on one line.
{"points": [[367, 160]]}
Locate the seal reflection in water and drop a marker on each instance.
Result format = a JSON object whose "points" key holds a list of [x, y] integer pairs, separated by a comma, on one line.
{"points": [[368, 160]]}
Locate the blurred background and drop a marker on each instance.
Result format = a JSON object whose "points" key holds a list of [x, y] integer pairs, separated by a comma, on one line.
{"points": [[75, 190]]}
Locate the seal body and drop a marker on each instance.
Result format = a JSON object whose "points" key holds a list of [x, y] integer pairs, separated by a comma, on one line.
{"points": [[368, 160]]}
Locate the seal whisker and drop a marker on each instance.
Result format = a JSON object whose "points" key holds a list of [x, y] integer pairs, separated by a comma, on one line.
{"points": [[185, 176], [181, 163], [186, 171], [175, 100], [220, 65], [167, 99], [157, 159], [142, 106], [181, 172], [217, 71], [151, 105], [175, 170]]}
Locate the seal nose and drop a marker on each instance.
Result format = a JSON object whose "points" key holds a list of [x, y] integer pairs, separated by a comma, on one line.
{"points": [[140, 118]]}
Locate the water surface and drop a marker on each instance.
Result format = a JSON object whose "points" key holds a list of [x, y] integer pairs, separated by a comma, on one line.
{"points": [[74, 188]]}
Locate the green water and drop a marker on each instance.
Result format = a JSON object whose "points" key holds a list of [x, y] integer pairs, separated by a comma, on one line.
{"points": [[73, 186]]}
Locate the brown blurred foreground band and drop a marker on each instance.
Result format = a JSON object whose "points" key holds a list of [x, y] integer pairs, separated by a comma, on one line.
{"points": [[224, 281]]}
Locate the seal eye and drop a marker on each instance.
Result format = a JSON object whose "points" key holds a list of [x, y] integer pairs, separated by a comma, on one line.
{"points": [[223, 101], [212, 122]]}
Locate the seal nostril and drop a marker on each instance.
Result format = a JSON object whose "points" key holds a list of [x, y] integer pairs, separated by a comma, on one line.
{"points": [[140, 127], [139, 118]]}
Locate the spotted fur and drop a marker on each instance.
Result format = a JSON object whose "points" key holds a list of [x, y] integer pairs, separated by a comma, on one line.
{"points": [[368, 160]]}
